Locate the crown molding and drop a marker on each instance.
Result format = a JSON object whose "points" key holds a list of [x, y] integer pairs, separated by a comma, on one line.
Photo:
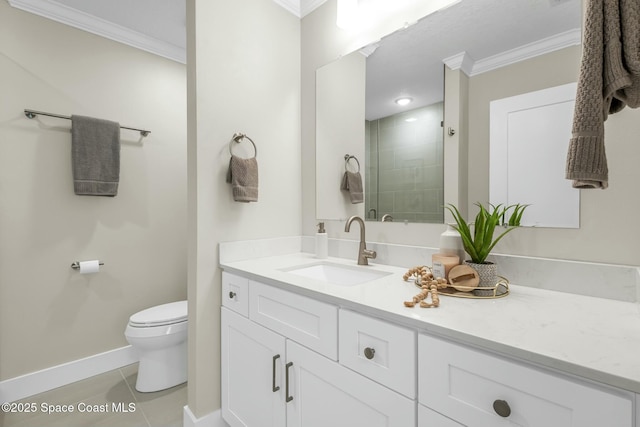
{"points": [[308, 6], [75, 18], [369, 49], [83, 21], [472, 68], [531, 50], [300, 8], [460, 61], [292, 6]]}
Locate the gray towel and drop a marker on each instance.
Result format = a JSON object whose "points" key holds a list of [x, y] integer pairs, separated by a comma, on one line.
{"points": [[243, 177], [95, 156], [352, 182], [609, 79]]}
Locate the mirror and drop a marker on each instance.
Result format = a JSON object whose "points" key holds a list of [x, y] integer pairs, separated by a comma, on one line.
{"points": [[474, 36]]}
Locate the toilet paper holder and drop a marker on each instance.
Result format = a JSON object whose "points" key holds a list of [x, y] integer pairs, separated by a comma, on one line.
{"points": [[76, 265]]}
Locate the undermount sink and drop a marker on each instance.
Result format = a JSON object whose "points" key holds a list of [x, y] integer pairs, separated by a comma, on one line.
{"points": [[337, 274]]}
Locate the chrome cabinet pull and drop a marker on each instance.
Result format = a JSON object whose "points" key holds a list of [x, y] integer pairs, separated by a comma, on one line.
{"points": [[274, 387], [502, 408], [232, 295], [369, 352], [288, 398]]}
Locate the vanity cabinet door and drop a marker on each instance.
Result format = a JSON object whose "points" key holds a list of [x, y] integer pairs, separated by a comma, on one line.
{"points": [[478, 389], [429, 418], [324, 393], [252, 373]]}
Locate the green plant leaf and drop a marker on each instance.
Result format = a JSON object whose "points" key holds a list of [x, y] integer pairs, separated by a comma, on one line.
{"points": [[500, 237], [479, 230], [479, 243], [462, 227], [516, 216]]}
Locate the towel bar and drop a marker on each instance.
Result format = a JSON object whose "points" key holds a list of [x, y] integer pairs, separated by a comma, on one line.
{"points": [[32, 114], [237, 138], [348, 157]]}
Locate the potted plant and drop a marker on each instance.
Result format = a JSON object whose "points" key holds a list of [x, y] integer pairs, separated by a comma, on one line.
{"points": [[479, 242]]}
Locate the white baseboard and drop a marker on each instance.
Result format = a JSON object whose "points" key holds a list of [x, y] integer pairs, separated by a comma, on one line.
{"points": [[56, 376], [213, 419]]}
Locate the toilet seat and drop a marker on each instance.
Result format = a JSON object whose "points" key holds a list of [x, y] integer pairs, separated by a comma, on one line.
{"points": [[161, 315]]}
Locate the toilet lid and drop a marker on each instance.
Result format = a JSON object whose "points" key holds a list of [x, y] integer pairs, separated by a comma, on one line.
{"points": [[165, 314]]}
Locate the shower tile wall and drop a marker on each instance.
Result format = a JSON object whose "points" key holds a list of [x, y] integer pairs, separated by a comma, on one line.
{"points": [[405, 166]]}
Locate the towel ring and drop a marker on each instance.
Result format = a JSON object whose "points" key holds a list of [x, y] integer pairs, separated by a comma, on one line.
{"points": [[348, 157], [238, 137]]}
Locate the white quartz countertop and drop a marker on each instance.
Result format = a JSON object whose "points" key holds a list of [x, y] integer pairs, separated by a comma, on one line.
{"points": [[594, 338]]}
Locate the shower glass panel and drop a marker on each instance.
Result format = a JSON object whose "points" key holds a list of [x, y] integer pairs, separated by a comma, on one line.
{"points": [[404, 173]]}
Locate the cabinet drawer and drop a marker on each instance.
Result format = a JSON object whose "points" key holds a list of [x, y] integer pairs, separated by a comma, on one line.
{"points": [[235, 293], [384, 352], [311, 323], [473, 387]]}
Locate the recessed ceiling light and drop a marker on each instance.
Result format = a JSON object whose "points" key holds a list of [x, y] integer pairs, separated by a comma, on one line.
{"points": [[404, 101]]}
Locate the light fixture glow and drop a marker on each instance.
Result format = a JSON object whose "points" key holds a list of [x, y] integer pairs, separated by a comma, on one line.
{"points": [[404, 101], [410, 119], [347, 14]]}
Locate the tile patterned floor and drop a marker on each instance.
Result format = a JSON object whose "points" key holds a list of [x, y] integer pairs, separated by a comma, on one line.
{"points": [[108, 395]]}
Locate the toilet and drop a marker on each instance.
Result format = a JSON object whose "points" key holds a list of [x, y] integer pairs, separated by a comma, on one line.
{"points": [[159, 335]]}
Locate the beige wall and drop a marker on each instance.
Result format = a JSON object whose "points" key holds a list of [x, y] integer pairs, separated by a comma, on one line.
{"points": [[608, 230], [244, 76], [49, 314]]}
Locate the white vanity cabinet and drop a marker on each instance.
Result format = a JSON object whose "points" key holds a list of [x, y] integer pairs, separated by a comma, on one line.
{"points": [[293, 361], [279, 367], [478, 389]]}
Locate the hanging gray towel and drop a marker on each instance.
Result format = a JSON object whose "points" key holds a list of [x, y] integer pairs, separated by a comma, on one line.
{"points": [[609, 80], [352, 182], [95, 156], [243, 177]]}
